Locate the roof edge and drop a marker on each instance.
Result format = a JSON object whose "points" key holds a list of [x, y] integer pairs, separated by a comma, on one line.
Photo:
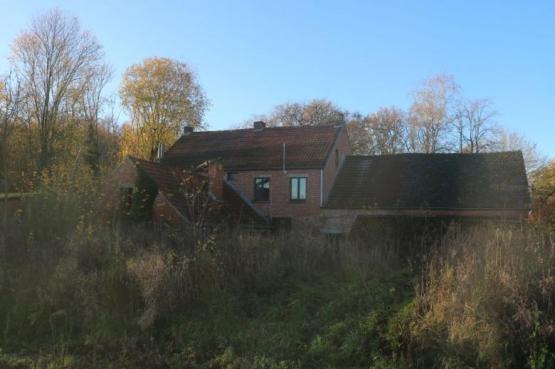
{"points": [[338, 131]]}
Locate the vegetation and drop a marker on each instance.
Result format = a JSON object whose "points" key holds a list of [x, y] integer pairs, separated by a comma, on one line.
{"points": [[57, 119], [83, 288], [161, 96], [80, 291]]}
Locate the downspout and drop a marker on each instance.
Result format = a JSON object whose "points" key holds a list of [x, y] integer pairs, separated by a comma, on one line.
{"points": [[283, 160], [321, 187]]}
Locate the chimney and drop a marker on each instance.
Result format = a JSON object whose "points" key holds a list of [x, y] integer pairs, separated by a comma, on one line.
{"points": [[187, 130], [259, 125], [160, 151], [216, 179]]}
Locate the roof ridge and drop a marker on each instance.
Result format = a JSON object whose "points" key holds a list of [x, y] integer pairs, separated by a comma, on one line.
{"points": [[436, 154], [328, 126]]}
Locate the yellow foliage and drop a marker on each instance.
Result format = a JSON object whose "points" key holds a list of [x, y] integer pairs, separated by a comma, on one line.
{"points": [[161, 96]]}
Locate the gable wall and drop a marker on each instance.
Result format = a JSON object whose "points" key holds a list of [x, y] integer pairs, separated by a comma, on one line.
{"points": [[279, 204], [332, 166]]}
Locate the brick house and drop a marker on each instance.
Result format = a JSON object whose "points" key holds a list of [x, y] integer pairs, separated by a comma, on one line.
{"points": [[272, 173], [263, 175]]}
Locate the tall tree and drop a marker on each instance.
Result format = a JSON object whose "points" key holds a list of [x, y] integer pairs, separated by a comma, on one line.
{"points": [[360, 137], [432, 113], [380, 133], [54, 59], [161, 95], [475, 126], [92, 104], [318, 112], [389, 131]]}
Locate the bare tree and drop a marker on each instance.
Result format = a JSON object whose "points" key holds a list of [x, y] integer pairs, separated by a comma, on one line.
{"points": [[475, 126], [388, 130], [93, 100], [92, 104], [323, 113], [288, 115], [432, 113], [359, 136], [54, 59], [513, 141], [381, 133], [318, 112]]}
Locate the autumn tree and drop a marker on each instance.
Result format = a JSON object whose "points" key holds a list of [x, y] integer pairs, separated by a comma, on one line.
{"points": [[161, 95], [543, 193], [380, 133], [359, 137], [388, 130], [54, 59], [432, 114]]}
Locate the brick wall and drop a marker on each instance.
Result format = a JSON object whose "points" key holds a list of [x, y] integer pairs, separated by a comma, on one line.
{"points": [[280, 204]]}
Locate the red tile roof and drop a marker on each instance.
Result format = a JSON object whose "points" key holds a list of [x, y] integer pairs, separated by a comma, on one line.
{"points": [[251, 149], [172, 181], [168, 179]]}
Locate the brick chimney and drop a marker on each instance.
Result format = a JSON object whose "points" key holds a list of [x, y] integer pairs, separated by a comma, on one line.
{"points": [[259, 125], [160, 152], [216, 179], [187, 130]]}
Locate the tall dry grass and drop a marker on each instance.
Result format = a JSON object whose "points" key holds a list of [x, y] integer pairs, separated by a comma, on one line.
{"points": [[486, 300]]}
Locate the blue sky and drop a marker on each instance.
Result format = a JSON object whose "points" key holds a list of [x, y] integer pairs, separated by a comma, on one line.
{"points": [[252, 55]]}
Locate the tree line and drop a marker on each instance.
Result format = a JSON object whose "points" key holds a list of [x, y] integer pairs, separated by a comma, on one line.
{"points": [[58, 123], [440, 119]]}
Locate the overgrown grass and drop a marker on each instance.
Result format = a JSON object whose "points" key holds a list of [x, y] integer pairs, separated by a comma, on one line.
{"points": [[486, 301], [79, 291]]}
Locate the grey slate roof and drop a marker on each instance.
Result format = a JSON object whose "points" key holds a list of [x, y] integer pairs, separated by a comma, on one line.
{"points": [[432, 181]]}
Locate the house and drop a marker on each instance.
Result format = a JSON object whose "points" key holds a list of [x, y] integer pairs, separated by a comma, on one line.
{"points": [[263, 175], [273, 173]]}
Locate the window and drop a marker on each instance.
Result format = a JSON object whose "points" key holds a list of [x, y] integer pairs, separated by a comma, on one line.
{"points": [[298, 188], [262, 189]]}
